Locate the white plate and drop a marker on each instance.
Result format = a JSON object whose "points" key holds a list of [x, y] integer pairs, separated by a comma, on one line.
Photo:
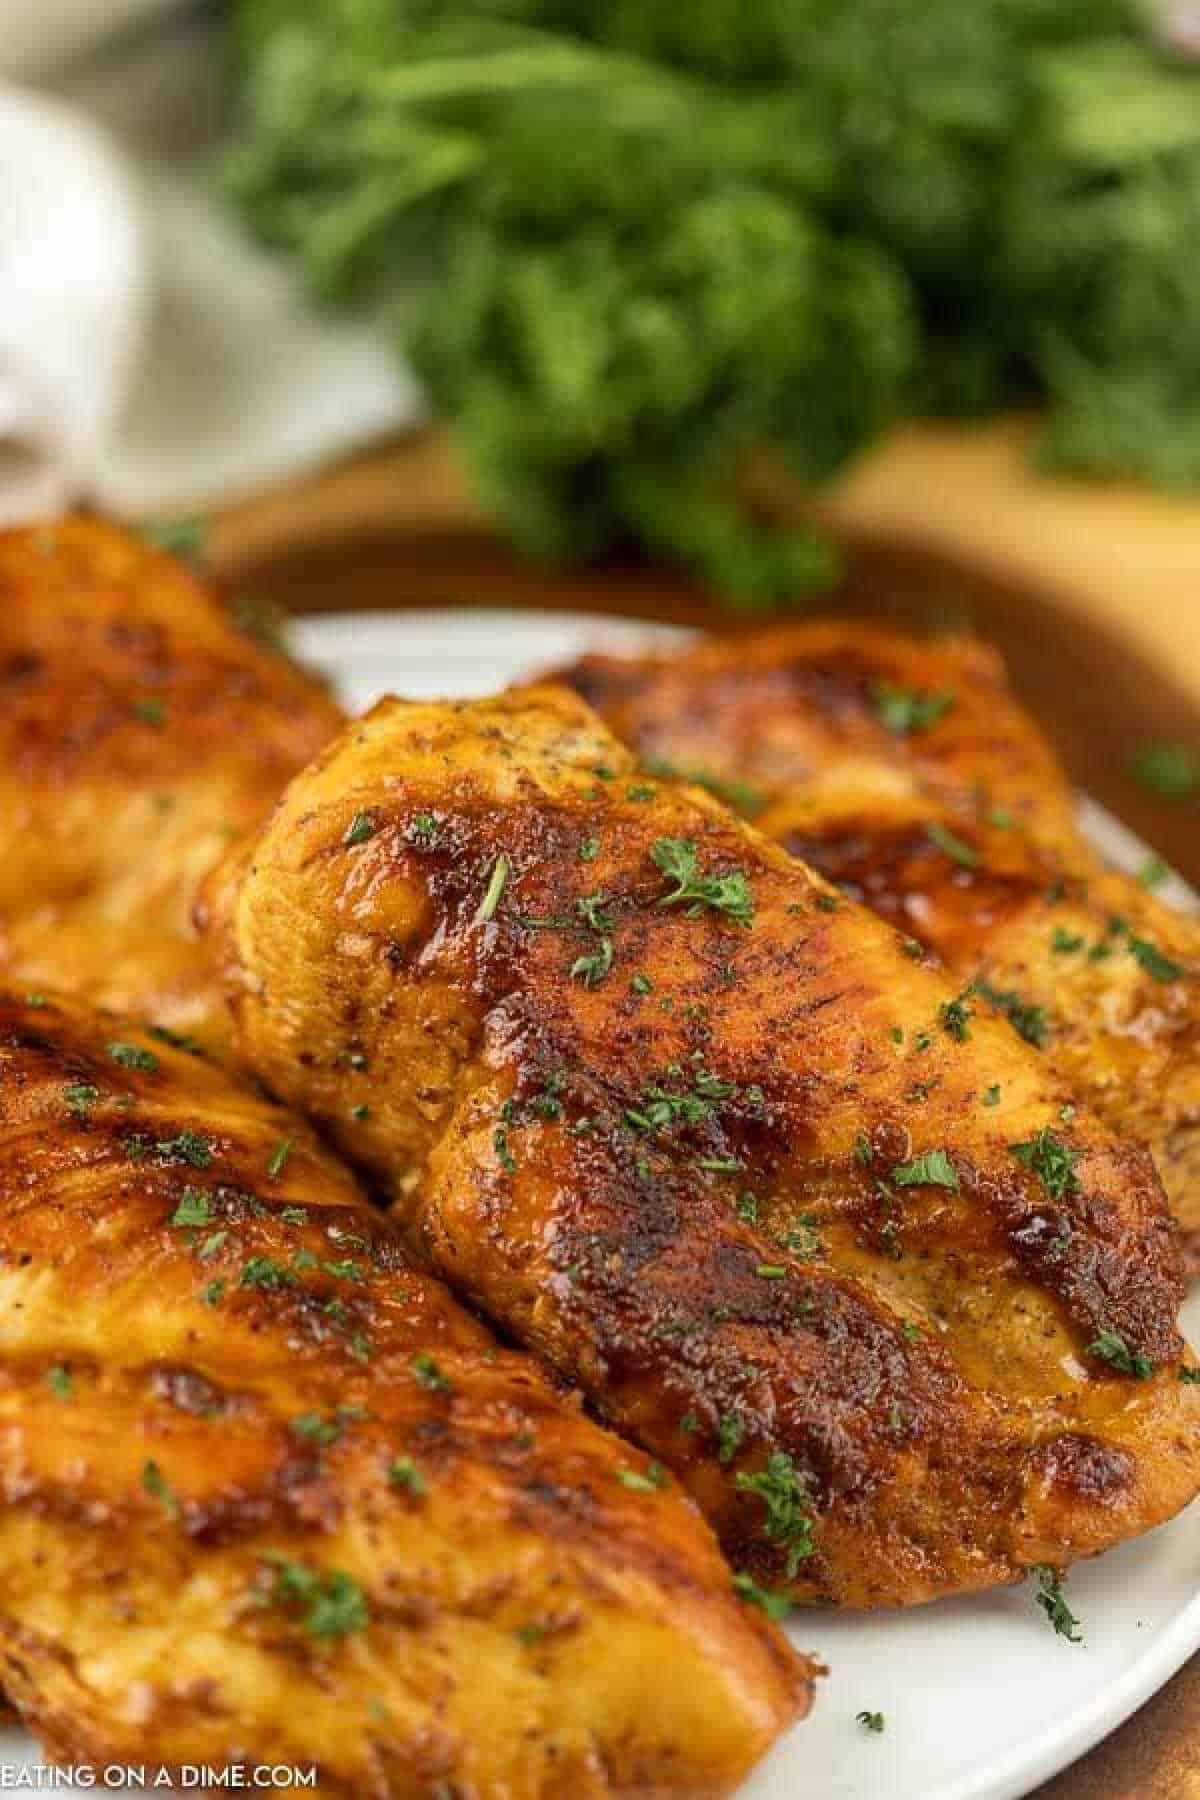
{"points": [[981, 1700]]}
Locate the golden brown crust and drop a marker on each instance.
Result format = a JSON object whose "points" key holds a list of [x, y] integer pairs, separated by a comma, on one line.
{"points": [[272, 1495], [795, 720], [573, 1142], [139, 733]]}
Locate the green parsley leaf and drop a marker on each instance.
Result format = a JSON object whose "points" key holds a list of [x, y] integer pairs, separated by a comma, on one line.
{"points": [[871, 1721], [279, 1156], [1052, 1161], [132, 1056], [951, 845], [1150, 958], [776, 1606], [403, 1472], [58, 1379], [1172, 771], [194, 1208], [1050, 1598], [728, 894], [655, 1477], [784, 1493], [931, 1169], [150, 710], [430, 1375], [730, 1431], [905, 710], [497, 882], [1111, 1348], [155, 1484], [362, 827], [80, 1097]]}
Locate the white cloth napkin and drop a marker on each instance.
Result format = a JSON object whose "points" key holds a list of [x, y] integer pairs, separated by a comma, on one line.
{"points": [[151, 360]]}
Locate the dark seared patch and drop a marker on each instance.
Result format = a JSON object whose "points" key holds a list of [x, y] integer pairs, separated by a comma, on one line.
{"points": [[1110, 1275], [1085, 1469]]}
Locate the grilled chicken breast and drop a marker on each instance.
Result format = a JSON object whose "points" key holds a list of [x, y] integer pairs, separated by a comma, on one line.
{"points": [[819, 1232], [139, 732], [906, 773], [272, 1496]]}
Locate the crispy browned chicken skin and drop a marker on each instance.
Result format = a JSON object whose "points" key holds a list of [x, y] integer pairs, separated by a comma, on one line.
{"points": [[139, 733], [825, 1240], [273, 1496], [906, 772]]}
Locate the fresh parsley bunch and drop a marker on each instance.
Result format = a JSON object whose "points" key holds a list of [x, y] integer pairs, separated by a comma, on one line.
{"points": [[629, 242]]}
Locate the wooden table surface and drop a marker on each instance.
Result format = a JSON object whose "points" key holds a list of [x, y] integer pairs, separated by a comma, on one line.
{"points": [[1092, 593]]}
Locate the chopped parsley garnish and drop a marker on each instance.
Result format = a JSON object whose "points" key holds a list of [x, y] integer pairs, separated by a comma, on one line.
{"points": [[1111, 1348], [423, 829], [641, 984], [746, 1207], [1027, 1020], [639, 793], [870, 1721], [655, 1477], [864, 1155], [497, 881], [905, 710], [132, 1056], [183, 538], [361, 1111], [213, 1292], [430, 1375], [913, 949], [335, 1604], [776, 1606], [952, 846], [729, 1435], [1189, 1373], [1150, 957], [188, 1147], [589, 850], [150, 711], [36, 1000], [80, 1096], [404, 1473], [263, 1272], [932, 1169], [991, 1095], [1172, 771], [728, 894], [955, 1016], [1050, 1598], [1052, 1161], [1153, 872], [279, 1156], [58, 1379], [770, 1271], [1064, 942], [362, 827], [315, 1428], [155, 1484], [789, 1521], [194, 1208], [504, 1155], [592, 968]]}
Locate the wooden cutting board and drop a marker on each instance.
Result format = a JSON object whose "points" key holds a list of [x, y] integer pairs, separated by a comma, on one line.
{"points": [[1091, 591]]}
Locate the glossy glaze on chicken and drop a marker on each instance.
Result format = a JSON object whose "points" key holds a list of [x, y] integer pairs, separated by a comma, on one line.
{"points": [[799, 1214], [272, 1496], [140, 733], [906, 773]]}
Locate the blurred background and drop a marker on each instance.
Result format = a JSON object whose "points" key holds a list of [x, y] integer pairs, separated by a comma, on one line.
{"points": [[676, 307]]}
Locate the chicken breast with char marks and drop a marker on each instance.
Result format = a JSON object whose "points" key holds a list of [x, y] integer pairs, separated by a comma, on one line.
{"points": [[140, 732], [272, 1496], [906, 772], [798, 1214]]}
